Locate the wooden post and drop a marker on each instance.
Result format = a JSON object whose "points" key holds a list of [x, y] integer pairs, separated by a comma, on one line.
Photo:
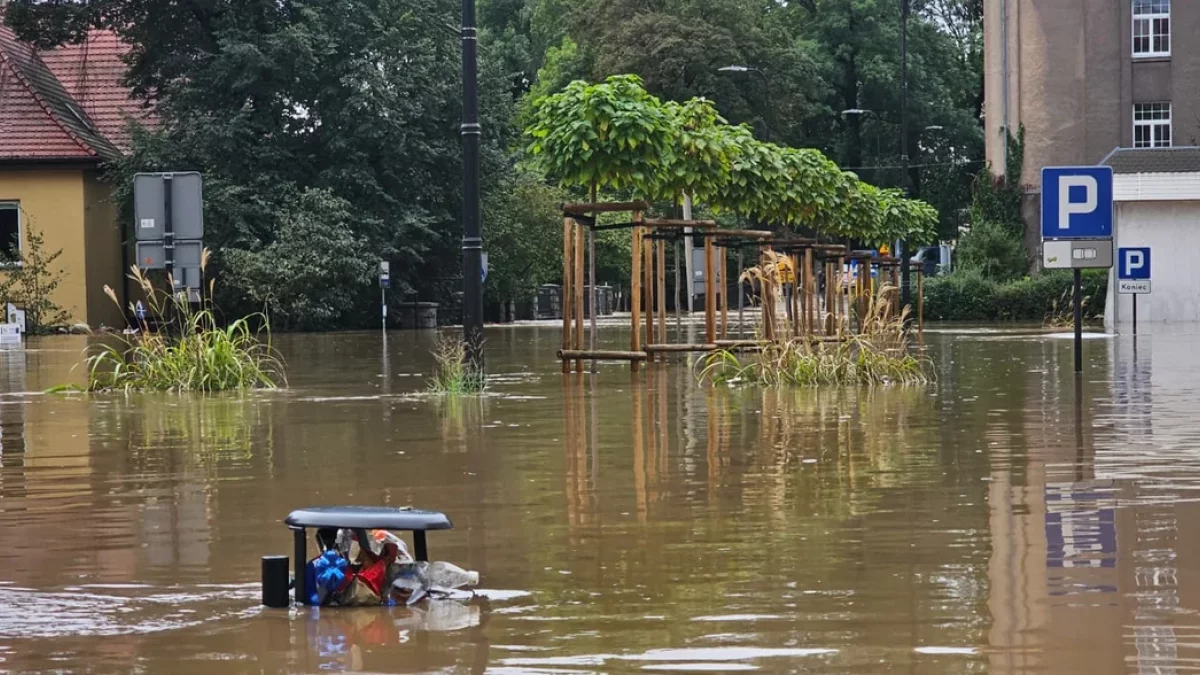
{"points": [[841, 296], [741, 297], [579, 284], [662, 291], [828, 316], [648, 288], [797, 298], [568, 293], [810, 293], [710, 301], [635, 291], [678, 298], [724, 294], [921, 303]]}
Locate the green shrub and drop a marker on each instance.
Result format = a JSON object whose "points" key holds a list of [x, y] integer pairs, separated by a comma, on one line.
{"points": [[994, 251], [967, 295]]}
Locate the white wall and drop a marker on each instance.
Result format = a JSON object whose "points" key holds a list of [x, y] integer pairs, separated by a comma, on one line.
{"points": [[1172, 231]]}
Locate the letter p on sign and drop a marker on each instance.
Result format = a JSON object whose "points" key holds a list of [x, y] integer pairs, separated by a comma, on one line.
{"points": [[1068, 208]]}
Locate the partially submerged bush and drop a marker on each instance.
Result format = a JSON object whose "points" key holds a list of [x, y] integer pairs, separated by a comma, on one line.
{"points": [[878, 355], [190, 352], [453, 374], [856, 361]]}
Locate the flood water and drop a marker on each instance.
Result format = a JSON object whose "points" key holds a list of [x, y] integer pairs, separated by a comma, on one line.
{"points": [[996, 521]]}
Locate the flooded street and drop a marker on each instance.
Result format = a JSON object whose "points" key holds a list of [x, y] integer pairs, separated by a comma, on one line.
{"points": [[991, 522]]}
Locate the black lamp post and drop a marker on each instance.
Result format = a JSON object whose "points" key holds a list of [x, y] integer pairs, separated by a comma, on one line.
{"points": [[472, 240], [766, 88], [905, 272]]}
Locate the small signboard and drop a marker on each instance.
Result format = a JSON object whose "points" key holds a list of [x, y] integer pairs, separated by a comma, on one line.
{"points": [[187, 205], [15, 316], [1066, 254], [10, 335], [385, 274], [1133, 271], [1077, 202]]}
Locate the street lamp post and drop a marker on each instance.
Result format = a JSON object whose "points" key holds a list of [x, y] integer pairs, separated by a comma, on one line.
{"points": [[768, 115], [905, 273], [878, 121], [472, 239]]}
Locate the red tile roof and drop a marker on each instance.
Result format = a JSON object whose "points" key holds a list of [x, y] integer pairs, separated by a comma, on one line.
{"points": [[65, 103]]}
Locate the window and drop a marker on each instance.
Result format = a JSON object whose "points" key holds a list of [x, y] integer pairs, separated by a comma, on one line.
{"points": [[1151, 125], [1151, 27], [10, 233]]}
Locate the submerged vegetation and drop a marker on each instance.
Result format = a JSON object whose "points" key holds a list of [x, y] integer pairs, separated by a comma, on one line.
{"points": [[191, 351], [879, 354], [453, 374]]}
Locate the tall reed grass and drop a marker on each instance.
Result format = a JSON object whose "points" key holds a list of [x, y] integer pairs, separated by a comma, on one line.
{"points": [[878, 355], [189, 351], [453, 374]]}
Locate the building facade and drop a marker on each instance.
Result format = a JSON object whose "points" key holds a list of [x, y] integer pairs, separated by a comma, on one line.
{"points": [[63, 114], [1086, 76]]}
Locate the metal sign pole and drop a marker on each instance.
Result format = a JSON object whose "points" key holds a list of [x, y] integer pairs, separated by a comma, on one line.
{"points": [[1135, 314], [169, 230], [1078, 320]]}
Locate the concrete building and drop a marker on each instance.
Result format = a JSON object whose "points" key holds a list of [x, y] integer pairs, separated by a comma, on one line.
{"points": [[63, 114], [1107, 82]]}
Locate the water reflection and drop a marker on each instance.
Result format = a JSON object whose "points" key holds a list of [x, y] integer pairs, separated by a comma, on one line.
{"points": [[1010, 519]]}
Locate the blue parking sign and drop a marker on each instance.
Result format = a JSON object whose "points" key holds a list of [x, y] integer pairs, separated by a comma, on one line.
{"points": [[1133, 264], [1077, 202]]}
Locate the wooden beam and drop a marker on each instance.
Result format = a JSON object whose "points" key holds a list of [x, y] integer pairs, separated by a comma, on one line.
{"points": [[676, 223], [568, 293], [660, 348], [796, 296], [921, 303], [603, 207], [568, 355]]}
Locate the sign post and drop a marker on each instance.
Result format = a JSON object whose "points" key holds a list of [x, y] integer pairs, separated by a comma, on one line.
{"points": [[1133, 275], [1077, 228], [385, 282], [168, 209]]}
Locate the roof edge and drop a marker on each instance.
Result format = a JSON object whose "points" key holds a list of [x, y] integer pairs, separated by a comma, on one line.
{"points": [[20, 75]]}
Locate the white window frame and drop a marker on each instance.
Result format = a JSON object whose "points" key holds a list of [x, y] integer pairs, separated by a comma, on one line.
{"points": [[1150, 20], [15, 206], [1151, 123]]}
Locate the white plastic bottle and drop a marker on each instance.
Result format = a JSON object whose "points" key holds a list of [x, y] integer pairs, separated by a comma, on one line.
{"points": [[448, 576]]}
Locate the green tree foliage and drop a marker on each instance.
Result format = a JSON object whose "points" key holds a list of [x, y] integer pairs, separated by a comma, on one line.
{"points": [[356, 99], [992, 250], [31, 283], [523, 214]]}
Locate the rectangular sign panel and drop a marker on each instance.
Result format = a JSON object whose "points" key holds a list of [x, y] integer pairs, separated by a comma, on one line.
{"points": [[152, 255], [149, 205], [1134, 264], [1133, 287], [1066, 254], [1077, 202]]}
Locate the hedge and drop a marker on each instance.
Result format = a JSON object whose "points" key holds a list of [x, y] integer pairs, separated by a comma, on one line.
{"points": [[968, 296]]}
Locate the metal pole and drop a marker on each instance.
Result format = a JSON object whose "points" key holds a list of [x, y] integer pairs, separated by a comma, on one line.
{"points": [[383, 306], [300, 552], [1078, 320], [905, 286], [472, 241], [169, 230], [769, 115], [1135, 314]]}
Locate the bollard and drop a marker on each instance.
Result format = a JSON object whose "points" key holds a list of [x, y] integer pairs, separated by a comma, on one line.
{"points": [[275, 581]]}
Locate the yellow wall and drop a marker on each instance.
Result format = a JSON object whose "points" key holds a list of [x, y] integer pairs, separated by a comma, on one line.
{"points": [[103, 240], [73, 211]]}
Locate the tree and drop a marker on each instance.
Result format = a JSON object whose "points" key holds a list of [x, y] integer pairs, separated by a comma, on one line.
{"points": [[31, 283], [356, 99]]}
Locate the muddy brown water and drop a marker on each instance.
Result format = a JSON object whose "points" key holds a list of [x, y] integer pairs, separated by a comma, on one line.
{"points": [[992, 522]]}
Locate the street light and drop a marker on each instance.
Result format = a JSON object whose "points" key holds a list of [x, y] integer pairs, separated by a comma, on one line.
{"points": [[766, 88]]}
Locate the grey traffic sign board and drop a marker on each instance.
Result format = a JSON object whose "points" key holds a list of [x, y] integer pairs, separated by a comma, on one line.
{"points": [[150, 200], [152, 255], [1066, 254]]}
